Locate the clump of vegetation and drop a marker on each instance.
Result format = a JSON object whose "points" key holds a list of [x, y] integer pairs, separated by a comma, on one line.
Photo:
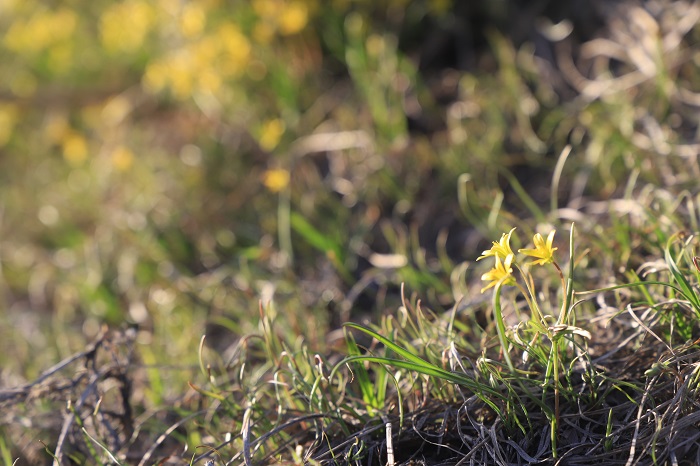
{"points": [[249, 233]]}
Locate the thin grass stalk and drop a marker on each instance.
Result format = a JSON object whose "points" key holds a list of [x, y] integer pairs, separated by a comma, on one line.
{"points": [[500, 325], [531, 298], [556, 177], [284, 225], [554, 431], [685, 286], [522, 194], [569, 284]]}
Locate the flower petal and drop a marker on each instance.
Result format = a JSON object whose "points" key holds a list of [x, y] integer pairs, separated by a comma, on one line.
{"points": [[543, 251]]}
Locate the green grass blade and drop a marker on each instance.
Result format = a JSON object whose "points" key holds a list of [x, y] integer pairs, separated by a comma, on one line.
{"points": [[415, 363], [528, 201], [500, 325], [314, 236], [361, 374], [683, 283], [104, 448], [569, 297], [322, 242], [207, 393], [477, 388]]}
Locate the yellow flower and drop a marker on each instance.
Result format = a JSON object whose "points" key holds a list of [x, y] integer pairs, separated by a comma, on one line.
{"points": [[502, 271], [501, 249], [543, 251], [276, 179], [43, 30], [75, 148], [124, 26], [293, 18], [271, 133], [235, 50], [156, 76], [122, 159], [193, 19]]}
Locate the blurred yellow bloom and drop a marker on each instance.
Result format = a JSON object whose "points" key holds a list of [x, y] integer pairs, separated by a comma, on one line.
{"points": [[125, 25], [180, 75], [276, 179], [544, 252], [192, 19], [201, 66], [235, 50], [499, 249], [42, 30], [271, 133], [293, 18], [502, 271], [155, 78], [204, 53], [122, 158], [375, 45], [209, 80], [75, 148]]}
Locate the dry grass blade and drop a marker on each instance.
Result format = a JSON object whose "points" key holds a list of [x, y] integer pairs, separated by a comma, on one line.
{"points": [[245, 434], [95, 399], [147, 457]]}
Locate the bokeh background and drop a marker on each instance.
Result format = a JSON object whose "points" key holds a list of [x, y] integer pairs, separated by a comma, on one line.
{"points": [[167, 164]]}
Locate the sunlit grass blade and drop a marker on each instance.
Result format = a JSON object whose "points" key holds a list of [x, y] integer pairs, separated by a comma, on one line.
{"points": [[484, 392], [417, 364], [207, 393], [361, 375], [99, 444], [556, 177], [685, 286], [5, 453], [500, 325], [321, 242]]}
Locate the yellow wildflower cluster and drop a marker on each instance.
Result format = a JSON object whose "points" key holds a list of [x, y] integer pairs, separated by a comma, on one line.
{"points": [[74, 147], [124, 26], [192, 20], [270, 134], [42, 30], [281, 16], [202, 65], [543, 252], [46, 33], [207, 56], [122, 158]]}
